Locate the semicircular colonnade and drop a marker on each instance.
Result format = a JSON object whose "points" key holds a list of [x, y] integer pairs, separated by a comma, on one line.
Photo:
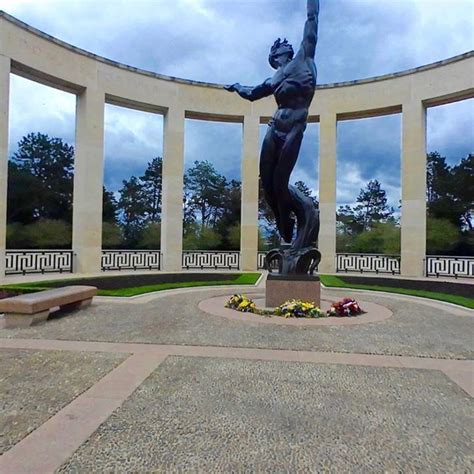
{"points": [[95, 81]]}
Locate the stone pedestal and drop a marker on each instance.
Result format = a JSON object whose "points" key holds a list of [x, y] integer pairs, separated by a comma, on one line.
{"points": [[292, 287]]}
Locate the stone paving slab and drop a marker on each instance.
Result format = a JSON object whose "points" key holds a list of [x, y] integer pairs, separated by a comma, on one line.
{"points": [[216, 415], [34, 385], [415, 329]]}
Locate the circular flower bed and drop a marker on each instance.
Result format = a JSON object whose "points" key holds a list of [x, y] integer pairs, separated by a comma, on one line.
{"points": [[296, 308]]}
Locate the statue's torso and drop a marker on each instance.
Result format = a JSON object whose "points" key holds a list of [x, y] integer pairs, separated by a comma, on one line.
{"points": [[293, 87]]}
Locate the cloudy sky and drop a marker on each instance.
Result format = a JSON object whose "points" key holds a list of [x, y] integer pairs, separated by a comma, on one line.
{"points": [[226, 41]]}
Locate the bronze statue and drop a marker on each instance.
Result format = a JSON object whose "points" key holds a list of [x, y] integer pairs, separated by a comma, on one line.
{"points": [[293, 86]]}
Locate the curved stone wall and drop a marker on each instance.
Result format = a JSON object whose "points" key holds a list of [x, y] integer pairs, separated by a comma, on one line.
{"points": [[95, 80]]}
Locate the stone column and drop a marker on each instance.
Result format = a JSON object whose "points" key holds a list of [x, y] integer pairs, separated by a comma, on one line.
{"points": [[249, 213], [413, 222], [172, 205], [88, 181], [327, 191], [4, 106]]}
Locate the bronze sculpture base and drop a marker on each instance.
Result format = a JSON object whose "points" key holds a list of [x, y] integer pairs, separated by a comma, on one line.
{"points": [[281, 288]]}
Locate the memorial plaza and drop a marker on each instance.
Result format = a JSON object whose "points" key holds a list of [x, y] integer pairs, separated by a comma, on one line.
{"points": [[155, 374]]}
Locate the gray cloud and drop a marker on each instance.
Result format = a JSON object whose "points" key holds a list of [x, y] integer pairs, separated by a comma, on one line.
{"points": [[228, 40], [37, 108], [218, 143], [132, 139], [450, 130], [369, 149]]}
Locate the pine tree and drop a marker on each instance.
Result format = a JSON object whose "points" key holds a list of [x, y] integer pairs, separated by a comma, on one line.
{"points": [[205, 188], [301, 186], [372, 206], [152, 189], [133, 207]]}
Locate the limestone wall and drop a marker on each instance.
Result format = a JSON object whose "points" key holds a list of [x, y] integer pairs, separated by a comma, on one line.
{"points": [[95, 80]]}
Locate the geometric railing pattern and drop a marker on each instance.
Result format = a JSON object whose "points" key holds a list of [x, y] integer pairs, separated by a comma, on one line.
{"points": [[62, 261], [131, 260], [211, 259], [21, 262], [447, 266], [368, 263]]}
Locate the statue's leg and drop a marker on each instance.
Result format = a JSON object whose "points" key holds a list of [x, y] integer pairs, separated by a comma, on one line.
{"points": [[268, 162], [285, 165]]}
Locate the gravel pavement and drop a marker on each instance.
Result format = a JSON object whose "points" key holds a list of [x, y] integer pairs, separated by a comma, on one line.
{"points": [[414, 329], [283, 417], [35, 385]]}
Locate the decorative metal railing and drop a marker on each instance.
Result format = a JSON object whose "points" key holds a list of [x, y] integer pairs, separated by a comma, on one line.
{"points": [[21, 262], [131, 260], [446, 266], [261, 260], [367, 263], [211, 259], [62, 261]]}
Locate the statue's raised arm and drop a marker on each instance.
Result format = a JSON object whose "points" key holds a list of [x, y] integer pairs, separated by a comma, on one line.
{"points": [[310, 36]]}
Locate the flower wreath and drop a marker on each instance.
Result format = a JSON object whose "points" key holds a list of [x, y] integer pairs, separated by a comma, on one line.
{"points": [[346, 307]]}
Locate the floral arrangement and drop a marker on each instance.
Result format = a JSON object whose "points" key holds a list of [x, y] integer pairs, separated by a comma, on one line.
{"points": [[241, 303], [346, 307], [298, 309]]}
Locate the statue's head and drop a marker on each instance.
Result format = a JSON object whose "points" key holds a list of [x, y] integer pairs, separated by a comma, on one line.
{"points": [[280, 54]]}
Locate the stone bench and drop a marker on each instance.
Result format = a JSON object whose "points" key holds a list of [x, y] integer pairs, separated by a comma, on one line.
{"points": [[25, 310]]}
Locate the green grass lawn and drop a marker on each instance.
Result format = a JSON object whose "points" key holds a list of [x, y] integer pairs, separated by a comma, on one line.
{"points": [[336, 282], [234, 279], [246, 279]]}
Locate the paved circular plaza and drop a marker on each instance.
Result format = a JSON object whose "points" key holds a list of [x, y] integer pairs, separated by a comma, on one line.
{"points": [[160, 383]]}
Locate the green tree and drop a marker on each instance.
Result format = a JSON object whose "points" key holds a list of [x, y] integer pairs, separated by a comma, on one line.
{"points": [[344, 243], [51, 162], [197, 237], [361, 228], [441, 236], [204, 190], [17, 236], [151, 236], [152, 189], [23, 196], [112, 237], [133, 209], [450, 191], [438, 184], [48, 234], [346, 222], [109, 207], [462, 189], [382, 237], [234, 238], [437, 177], [372, 206], [230, 216]]}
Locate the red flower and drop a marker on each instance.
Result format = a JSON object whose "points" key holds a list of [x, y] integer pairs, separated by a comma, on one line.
{"points": [[346, 307]]}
